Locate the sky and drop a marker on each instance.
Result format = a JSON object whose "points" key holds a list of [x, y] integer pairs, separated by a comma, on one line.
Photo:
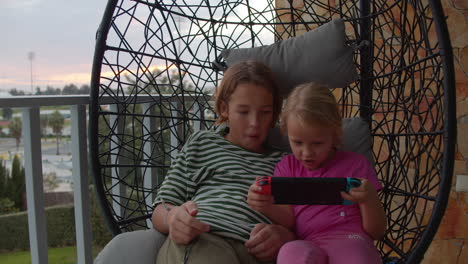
{"points": [[60, 33]]}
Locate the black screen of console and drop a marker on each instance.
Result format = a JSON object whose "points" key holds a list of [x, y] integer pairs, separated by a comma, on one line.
{"points": [[320, 191]]}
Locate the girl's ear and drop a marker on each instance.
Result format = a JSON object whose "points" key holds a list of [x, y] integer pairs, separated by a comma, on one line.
{"points": [[224, 110]]}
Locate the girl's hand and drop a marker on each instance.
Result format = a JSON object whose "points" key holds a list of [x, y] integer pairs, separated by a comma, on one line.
{"points": [[363, 194], [258, 201], [372, 211], [183, 226]]}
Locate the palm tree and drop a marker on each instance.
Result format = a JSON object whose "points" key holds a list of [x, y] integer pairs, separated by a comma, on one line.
{"points": [[15, 130], [44, 123], [56, 122]]}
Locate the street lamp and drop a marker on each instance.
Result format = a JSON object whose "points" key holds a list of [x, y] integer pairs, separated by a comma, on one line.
{"points": [[31, 56]]}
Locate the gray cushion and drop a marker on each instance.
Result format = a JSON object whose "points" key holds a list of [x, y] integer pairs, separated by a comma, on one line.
{"points": [[320, 55], [132, 247], [356, 138]]}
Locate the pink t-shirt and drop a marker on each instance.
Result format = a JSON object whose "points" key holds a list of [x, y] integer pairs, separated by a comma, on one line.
{"points": [[314, 221]]}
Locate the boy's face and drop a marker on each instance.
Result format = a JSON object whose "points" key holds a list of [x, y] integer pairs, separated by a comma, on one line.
{"points": [[249, 112], [312, 145]]}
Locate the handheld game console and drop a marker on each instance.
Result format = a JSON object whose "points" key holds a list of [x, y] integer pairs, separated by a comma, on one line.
{"points": [[319, 191]]}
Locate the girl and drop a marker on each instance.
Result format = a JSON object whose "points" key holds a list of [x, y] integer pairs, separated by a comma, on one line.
{"points": [[202, 202], [328, 234]]}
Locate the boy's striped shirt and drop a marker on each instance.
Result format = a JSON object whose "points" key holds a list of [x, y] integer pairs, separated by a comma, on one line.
{"points": [[216, 175]]}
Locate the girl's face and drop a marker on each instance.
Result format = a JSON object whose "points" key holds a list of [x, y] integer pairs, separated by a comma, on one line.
{"points": [[249, 112], [312, 145]]}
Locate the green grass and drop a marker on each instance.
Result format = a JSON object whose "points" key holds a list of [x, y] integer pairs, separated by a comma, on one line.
{"points": [[64, 255]]}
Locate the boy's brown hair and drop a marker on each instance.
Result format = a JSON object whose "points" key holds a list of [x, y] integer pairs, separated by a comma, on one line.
{"points": [[247, 72], [313, 104]]}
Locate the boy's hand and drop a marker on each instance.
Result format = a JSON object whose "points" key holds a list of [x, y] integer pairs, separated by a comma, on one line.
{"points": [[183, 226], [266, 240], [362, 194], [257, 201]]}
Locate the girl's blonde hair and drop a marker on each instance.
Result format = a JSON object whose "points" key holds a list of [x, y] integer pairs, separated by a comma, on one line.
{"points": [[313, 104], [247, 72]]}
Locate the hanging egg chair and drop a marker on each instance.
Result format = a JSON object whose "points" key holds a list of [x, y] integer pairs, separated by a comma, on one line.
{"points": [[157, 64]]}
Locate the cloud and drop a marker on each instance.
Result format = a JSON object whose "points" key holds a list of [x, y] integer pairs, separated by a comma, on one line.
{"points": [[55, 80], [12, 82], [76, 78], [19, 4], [62, 34]]}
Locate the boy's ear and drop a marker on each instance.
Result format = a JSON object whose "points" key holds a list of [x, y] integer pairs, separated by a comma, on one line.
{"points": [[223, 109], [338, 139]]}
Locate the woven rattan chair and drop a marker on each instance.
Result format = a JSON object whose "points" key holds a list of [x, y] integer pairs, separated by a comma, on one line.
{"points": [[153, 77]]}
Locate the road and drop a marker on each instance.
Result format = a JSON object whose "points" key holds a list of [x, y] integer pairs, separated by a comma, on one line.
{"points": [[49, 146]]}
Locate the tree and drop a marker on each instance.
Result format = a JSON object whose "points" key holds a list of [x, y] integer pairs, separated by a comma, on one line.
{"points": [[84, 89], [6, 204], [3, 179], [7, 113], [166, 82], [158, 82], [15, 92], [44, 123], [56, 122], [70, 89], [52, 91], [15, 127], [49, 91], [17, 183]]}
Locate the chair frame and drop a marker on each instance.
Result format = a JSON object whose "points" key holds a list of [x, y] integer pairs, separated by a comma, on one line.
{"points": [[407, 98]]}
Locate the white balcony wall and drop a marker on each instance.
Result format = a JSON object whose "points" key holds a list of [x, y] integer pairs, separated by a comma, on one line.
{"points": [[30, 114], [33, 171]]}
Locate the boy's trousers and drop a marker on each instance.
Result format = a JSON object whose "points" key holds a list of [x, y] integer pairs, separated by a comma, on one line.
{"points": [[206, 249]]}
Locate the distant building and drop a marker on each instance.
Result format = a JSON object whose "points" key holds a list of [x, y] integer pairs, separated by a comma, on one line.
{"points": [[4, 127], [5, 94]]}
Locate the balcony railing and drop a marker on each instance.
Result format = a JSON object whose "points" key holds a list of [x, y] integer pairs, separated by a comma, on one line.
{"points": [[33, 166], [33, 171]]}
